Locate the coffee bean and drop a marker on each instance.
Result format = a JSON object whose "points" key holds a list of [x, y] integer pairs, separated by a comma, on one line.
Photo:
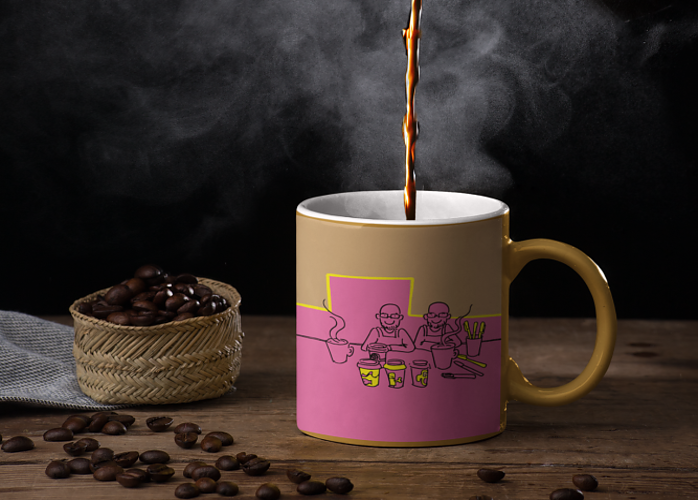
{"points": [[227, 489], [118, 295], [311, 488], [131, 478], [127, 420], [567, 494], [154, 457], [114, 428], [148, 295], [90, 444], [226, 462], [268, 491], [144, 306], [136, 285], [585, 482], [226, 439], [297, 476], [161, 297], [186, 439], [206, 471], [58, 434], [98, 421], [144, 318], [188, 279], [193, 465], [151, 274], [187, 490], [17, 443], [183, 316], [244, 457], [101, 311], [202, 290], [57, 469], [74, 449], [211, 444], [119, 318], [206, 485], [102, 455], [107, 471], [208, 309], [490, 475], [176, 301], [76, 423], [79, 466], [256, 466], [126, 459], [159, 424], [159, 473], [187, 427], [341, 485], [481, 497]]}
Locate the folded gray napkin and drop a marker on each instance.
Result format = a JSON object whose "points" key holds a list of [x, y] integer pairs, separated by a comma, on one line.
{"points": [[37, 365]]}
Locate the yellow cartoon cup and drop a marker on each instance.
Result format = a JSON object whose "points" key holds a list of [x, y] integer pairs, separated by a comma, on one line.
{"points": [[395, 371], [370, 371]]}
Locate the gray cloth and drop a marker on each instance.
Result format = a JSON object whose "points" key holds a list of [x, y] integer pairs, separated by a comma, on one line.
{"points": [[37, 365]]}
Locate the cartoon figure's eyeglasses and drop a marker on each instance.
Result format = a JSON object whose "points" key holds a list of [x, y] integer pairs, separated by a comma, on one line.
{"points": [[391, 316], [439, 315]]}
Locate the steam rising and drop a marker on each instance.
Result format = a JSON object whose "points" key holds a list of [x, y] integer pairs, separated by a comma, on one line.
{"points": [[157, 101]]}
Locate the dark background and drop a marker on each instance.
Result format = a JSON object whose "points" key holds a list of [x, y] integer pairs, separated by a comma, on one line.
{"points": [[185, 133]]}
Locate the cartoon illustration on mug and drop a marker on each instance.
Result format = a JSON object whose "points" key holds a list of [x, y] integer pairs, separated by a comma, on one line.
{"points": [[388, 336], [437, 330], [340, 349]]}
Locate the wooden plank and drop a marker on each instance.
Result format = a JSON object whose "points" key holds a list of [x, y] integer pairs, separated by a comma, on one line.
{"points": [[635, 432]]}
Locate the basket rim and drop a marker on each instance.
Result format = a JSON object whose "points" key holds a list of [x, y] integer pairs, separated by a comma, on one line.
{"points": [[234, 305]]}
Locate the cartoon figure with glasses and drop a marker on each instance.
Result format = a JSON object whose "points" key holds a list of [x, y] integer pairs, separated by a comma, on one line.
{"points": [[389, 332], [437, 330]]}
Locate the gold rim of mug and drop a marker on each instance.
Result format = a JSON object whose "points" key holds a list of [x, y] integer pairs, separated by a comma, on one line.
{"points": [[398, 444]]}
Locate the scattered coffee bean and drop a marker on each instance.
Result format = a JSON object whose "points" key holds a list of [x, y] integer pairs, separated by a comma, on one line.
{"points": [[127, 420], [226, 439], [126, 459], [585, 482], [90, 444], [107, 471], [159, 472], [74, 449], [98, 421], [297, 476], [206, 485], [79, 466], [186, 439], [210, 444], [76, 423], [227, 489], [490, 475], [58, 434], [131, 478], [102, 455], [567, 494], [268, 491], [341, 485], [187, 427], [244, 457], [187, 490], [17, 443], [114, 428], [311, 488], [206, 471], [256, 466], [57, 469], [154, 457], [226, 462], [159, 424], [193, 465]]}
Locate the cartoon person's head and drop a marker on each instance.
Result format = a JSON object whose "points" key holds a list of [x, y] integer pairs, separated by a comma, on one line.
{"points": [[390, 317], [438, 315]]}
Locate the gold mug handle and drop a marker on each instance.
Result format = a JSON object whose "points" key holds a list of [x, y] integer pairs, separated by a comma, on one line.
{"points": [[517, 255]]}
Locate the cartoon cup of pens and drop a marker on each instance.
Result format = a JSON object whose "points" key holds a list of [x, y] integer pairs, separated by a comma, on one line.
{"points": [[473, 340], [420, 372], [370, 371], [443, 355], [395, 370]]}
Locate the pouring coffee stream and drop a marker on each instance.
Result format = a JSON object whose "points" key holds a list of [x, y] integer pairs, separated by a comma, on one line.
{"points": [[410, 126]]}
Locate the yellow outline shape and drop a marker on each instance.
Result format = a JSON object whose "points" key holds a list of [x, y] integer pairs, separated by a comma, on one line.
{"points": [[409, 307]]}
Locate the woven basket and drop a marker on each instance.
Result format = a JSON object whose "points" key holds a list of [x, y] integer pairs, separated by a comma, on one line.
{"points": [[175, 362]]}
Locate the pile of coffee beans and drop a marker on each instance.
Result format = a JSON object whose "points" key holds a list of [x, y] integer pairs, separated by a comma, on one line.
{"points": [[153, 297], [106, 465]]}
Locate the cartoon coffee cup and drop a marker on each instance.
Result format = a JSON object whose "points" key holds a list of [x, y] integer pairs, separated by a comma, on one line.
{"points": [[340, 350], [443, 355]]}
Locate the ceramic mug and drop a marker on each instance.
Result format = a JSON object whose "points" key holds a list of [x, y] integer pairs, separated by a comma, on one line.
{"points": [[410, 285]]}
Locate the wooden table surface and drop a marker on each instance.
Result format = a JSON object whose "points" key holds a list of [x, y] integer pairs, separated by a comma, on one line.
{"points": [[636, 432]]}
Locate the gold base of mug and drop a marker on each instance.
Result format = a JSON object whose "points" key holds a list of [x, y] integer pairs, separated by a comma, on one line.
{"points": [[399, 444]]}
